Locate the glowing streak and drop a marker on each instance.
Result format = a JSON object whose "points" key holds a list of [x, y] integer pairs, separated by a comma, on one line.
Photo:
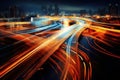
{"points": [[106, 29], [34, 51], [49, 27]]}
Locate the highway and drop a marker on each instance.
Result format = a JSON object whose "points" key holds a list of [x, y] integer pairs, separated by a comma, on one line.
{"points": [[69, 51]]}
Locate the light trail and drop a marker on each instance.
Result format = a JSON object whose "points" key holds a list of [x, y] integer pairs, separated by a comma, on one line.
{"points": [[87, 75], [38, 29], [106, 36], [62, 49], [59, 36], [28, 39]]}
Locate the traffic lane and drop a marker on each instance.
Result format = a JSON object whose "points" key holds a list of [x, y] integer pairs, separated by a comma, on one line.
{"points": [[103, 66]]}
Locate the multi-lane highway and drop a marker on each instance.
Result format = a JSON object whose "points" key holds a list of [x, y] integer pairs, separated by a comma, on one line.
{"points": [[59, 50]]}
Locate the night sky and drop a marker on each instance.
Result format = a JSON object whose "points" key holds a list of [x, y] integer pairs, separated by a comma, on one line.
{"points": [[63, 4]]}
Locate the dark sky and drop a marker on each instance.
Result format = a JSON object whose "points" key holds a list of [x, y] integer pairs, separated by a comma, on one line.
{"points": [[63, 4]]}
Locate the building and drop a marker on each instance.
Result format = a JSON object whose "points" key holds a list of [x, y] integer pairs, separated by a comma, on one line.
{"points": [[113, 9], [44, 10], [56, 9], [102, 11], [50, 10], [13, 11], [83, 12]]}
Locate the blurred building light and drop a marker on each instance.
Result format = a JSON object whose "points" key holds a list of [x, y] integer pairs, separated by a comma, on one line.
{"points": [[31, 19], [107, 17], [97, 16]]}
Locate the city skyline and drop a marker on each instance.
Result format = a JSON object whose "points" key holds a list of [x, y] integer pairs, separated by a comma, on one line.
{"points": [[33, 5]]}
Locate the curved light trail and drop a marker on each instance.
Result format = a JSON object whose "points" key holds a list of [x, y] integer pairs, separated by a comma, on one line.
{"points": [[58, 45]]}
